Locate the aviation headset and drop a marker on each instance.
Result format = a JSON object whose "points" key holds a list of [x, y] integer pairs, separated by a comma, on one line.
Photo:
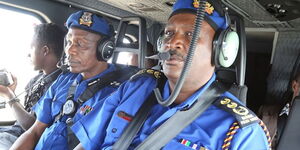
{"points": [[105, 46], [94, 23], [225, 45]]}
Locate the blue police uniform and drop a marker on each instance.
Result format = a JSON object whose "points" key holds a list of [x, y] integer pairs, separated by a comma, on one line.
{"points": [[207, 131], [106, 123], [55, 136]]}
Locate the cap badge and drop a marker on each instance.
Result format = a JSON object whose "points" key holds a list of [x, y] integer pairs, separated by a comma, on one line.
{"points": [[209, 9], [86, 19]]}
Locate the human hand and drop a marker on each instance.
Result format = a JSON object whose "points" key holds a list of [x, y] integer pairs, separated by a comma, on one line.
{"points": [[8, 92]]}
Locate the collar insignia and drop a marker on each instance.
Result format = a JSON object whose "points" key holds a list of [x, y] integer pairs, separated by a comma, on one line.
{"points": [[209, 9], [285, 110], [86, 19]]}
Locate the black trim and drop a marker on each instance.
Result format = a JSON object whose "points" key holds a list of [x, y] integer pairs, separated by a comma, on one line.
{"points": [[211, 23], [89, 30]]}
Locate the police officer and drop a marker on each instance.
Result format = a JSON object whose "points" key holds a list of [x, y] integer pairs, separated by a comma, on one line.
{"points": [[46, 50], [226, 124], [275, 116], [71, 96]]}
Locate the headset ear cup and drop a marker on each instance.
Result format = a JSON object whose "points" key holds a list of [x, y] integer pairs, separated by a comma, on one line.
{"points": [[159, 44], [228, 48], [65, 43], [105, 49], [216, 47]]}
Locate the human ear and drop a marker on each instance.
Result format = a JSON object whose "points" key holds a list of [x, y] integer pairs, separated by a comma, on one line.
{"points": [[295, 86], [45, 50]]}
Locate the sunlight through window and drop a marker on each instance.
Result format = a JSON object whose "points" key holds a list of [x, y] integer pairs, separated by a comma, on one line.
{"points": [[16, 32]]}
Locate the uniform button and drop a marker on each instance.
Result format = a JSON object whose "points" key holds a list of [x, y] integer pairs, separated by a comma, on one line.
{"points": [[114, 130]]}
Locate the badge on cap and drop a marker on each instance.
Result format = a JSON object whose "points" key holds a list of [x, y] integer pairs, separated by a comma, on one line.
{"points": [[209, 9], [86, 19]]}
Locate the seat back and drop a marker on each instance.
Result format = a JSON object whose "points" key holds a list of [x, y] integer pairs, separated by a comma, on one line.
{"points": [[233, 78], [291, 135]]}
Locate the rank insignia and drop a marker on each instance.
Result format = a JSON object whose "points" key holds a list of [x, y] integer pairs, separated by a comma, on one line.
{"points": [[86, 19], [285, 110], [85, 109], [209, 9], [124, 116], [243, 115], [150, 72], [115, 83]]}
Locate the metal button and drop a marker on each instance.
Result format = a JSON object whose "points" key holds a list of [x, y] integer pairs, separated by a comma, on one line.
{"points": [[114, 130], [69, 121]]}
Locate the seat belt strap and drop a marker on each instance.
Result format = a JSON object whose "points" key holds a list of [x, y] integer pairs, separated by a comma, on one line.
{"points": [[134, 126], [73, 141], [181, 119]]}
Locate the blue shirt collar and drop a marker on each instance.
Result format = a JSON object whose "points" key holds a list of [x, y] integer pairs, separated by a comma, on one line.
{"points": [[187, 103], [110, 68]]}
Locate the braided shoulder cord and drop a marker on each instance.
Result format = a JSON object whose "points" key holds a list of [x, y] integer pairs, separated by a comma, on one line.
{"points": [[229, 135], [234, 127], [264, 127]]}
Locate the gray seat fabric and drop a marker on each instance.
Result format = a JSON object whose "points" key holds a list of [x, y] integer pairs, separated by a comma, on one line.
{"points": [[291, 135], [227, 77]]}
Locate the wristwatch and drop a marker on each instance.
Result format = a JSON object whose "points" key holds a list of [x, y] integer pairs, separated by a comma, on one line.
{"points": [[13, 100]]}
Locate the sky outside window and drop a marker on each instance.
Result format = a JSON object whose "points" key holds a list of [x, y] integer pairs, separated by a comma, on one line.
{"points": [[16, 31]]}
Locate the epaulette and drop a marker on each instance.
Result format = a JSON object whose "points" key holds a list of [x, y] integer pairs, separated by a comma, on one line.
{"points": [[147, 72], [243, 115]]}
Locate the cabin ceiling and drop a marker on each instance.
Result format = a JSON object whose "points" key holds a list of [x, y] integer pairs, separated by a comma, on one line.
{"points": [[279, 14]]}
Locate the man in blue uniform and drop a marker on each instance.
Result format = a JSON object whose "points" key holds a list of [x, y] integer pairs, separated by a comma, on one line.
{"points": [[226, 124], [73, 94]]}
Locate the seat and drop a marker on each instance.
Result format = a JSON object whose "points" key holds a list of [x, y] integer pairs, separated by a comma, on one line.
{"points": [[291, 135]]}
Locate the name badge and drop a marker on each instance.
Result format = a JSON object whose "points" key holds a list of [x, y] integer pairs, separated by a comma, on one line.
{"points": [[69, 107]]}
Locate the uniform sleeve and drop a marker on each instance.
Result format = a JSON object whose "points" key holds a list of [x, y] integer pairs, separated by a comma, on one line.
{"points": [[43, 107], [90, 130], [250, 137]]}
